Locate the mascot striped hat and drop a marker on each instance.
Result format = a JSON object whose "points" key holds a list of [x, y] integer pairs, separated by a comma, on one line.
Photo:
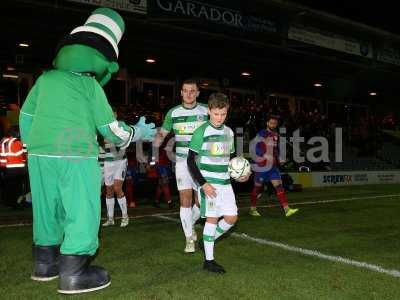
{"points": [[103, 30]]}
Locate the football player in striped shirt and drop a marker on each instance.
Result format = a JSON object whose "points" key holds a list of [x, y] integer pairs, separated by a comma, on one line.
{"points": [[210, 151], [183, 120]]}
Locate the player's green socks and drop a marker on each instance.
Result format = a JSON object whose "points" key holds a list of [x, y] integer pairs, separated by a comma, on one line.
{"points": [[222, 227], [208, 239]]}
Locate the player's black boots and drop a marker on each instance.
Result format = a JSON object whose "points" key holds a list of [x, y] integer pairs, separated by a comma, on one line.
{"points": [[76, 276], [212, 266], [45, 262]]}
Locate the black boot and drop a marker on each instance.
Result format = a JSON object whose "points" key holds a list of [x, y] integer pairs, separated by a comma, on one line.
{"points": [[76, 276], [212, 266], [45, 262]]}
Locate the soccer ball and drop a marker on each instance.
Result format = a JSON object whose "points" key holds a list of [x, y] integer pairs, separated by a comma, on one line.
{"points": [[238, 167]]}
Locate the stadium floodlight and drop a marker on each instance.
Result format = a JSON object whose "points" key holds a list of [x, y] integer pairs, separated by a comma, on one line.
{"points": [[246, 74], [23, 45], [10, 76], [150, 60]]}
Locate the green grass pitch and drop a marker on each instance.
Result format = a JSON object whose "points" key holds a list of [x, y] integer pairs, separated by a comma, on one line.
{"points": [[146, 259]]}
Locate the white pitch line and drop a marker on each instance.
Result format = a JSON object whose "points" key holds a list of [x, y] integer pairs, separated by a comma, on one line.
{"points": [[307, 252], [243, 207], [15, 225], [343, 260], [339, 259], [330, 201], [135, 217]]}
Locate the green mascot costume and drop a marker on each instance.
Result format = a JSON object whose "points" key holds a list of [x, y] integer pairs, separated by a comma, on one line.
{"points": [[59, 122]]}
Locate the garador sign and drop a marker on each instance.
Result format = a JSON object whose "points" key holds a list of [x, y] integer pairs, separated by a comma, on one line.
{"points": [[136, 6], [216, 14]]}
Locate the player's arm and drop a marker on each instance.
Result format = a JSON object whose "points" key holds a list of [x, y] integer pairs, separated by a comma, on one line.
{"points": [[27, 112], [160, 136], [194, 169], [265, 149], [261, 145], [164, 130]]}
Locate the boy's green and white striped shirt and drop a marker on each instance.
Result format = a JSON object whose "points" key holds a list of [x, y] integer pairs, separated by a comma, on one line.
{"points": [[213, 146], [101, 157], [184, 121], [109, 152]]}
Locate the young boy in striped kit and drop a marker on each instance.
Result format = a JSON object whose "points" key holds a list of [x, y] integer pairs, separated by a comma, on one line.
{"points": [[115, 164], [210, 149]]}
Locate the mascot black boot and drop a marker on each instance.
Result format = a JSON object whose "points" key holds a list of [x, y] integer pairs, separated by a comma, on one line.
{"points": [[46, 259], [77, 276]]}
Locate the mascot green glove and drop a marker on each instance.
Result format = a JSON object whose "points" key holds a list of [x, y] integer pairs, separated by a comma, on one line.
{"points": [[59, 122]]}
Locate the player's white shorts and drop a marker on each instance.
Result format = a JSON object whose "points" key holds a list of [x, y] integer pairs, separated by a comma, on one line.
{"points": [[224, 204], [184, 180], [114, 170]]}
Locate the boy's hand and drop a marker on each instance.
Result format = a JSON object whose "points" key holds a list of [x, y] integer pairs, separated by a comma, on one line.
{"points": [[158, 140], [209, 190], [243, 178]]}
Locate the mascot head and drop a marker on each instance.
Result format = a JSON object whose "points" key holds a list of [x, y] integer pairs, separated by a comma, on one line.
{"points": [[93, 47]]}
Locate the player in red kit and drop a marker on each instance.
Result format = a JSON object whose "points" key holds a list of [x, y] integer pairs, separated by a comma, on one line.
{"points": [[266, 167]]}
